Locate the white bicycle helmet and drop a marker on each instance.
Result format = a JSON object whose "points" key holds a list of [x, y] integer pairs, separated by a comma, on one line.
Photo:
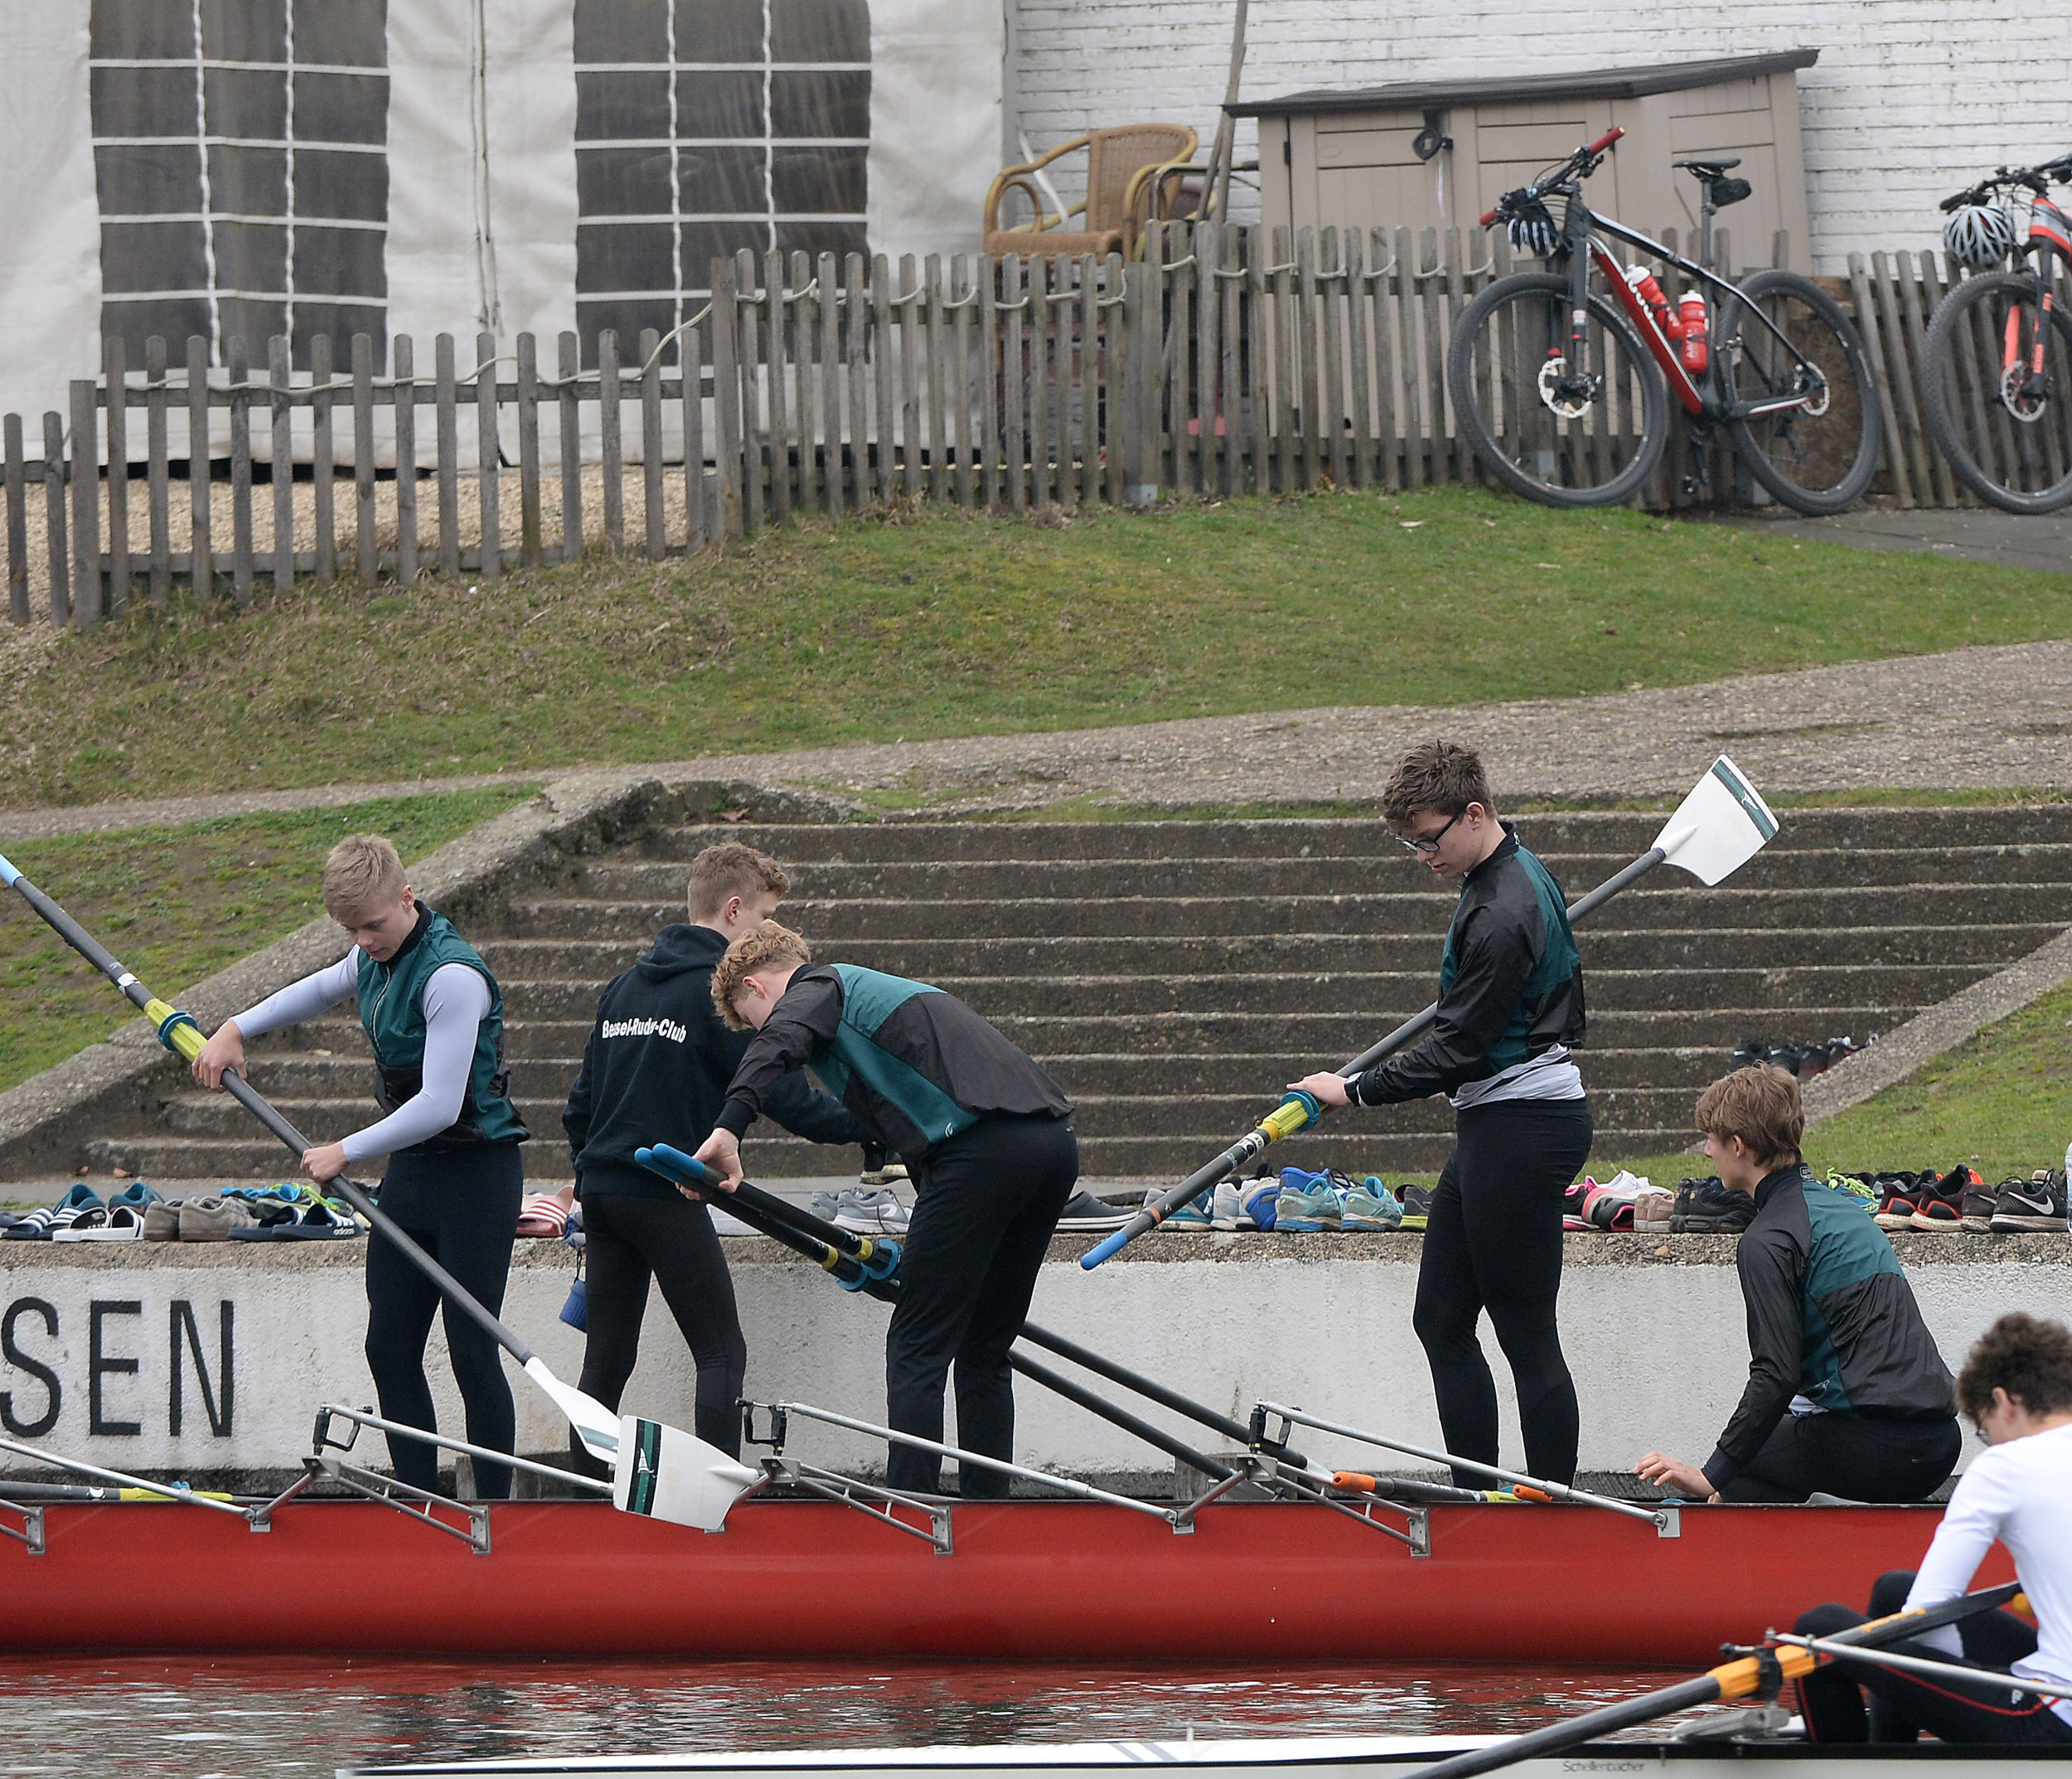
{"points": [[1979, 235]]}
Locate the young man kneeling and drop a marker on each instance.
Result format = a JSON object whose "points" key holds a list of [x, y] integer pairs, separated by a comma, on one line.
{"points": [[1847, 1394]]}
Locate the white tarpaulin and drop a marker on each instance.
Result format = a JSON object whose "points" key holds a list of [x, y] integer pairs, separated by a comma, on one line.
{"points": [[258, 168]]}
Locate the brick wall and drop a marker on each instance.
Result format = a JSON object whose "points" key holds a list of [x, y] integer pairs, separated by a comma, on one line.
{"points": [[1910, 99]]}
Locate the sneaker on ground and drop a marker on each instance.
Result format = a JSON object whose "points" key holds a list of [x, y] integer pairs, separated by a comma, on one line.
{"points": [[1939, 1205], [1223, 1206], [1197, 1212], [1416, 1205], [2034, 1203], [1574, 1198], [1859, 1186], [863, 1211], [1897, 1199], [79, 1200], [1653, 1210], [1309, 1204], [1977, 1208], [1708, 1207], [1750, 1051], [1084, 1212], [1369, 1206], [1259, 1203]]}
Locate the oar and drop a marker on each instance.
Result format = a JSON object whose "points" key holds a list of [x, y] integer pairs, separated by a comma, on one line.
{"points": [[1742, 1677], [1718, 828], [657, 1470], [828, 1246]]}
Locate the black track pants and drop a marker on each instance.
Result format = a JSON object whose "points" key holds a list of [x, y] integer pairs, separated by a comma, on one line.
{"points": [[1900, 1706], [462, 1208], [628, 1240], [988, 1199], [1858, 1457], [1494, 1243]]}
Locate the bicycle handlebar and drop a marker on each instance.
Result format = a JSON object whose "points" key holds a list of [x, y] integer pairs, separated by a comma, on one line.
{"points": [[2037, 178], [1582, 163]]}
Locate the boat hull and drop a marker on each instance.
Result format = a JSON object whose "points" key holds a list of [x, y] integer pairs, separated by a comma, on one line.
{"points": [[1026, 1580]]}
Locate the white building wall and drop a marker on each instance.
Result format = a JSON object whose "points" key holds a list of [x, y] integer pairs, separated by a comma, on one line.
{"points": [[1910, 99]]}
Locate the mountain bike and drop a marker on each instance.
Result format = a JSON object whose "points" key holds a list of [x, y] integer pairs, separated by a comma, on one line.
{"points": [[1997, 364], [1563, 388]]}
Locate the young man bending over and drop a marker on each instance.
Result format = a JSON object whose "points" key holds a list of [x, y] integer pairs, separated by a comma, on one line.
{"points": [[1510, 1006], [1847, 1394], [434, 1016], [986, 1135], [2016, 1387], [655, 1069]]}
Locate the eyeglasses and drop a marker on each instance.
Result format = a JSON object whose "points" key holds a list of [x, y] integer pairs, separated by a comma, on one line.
{"points": [[1429, 844]]}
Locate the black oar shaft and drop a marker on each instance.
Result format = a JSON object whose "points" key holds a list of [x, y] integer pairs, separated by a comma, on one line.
{"points": [[1552, 1739], [1149, 1388]]}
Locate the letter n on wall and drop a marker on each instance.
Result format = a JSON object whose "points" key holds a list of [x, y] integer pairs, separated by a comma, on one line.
{"points": [[185, 1337]]}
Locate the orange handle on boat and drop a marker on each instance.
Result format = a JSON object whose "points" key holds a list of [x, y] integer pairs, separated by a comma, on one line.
{"points": [[1353, 1478], [1526, 1494]]}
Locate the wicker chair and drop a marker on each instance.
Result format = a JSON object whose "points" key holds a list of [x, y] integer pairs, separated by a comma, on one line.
{"points": [[1128, 176]]}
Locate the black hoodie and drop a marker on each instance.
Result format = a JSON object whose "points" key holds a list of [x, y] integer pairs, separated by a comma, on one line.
{"points": [[655, 1068]]}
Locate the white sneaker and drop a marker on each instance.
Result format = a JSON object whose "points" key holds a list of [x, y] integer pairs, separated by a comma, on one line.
{"points": [[1224, 1215]]}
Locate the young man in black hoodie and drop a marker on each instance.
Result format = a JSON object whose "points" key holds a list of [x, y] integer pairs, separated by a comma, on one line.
{"points": [[655, 1070]]}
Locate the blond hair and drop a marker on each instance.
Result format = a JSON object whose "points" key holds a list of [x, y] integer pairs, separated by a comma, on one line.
{"points": [[731, 869], [363, 872], [1758, 1104], [769, 945]]}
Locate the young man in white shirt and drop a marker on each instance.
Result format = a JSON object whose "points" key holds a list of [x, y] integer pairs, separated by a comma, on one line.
{"points": [[2017, 1387]]}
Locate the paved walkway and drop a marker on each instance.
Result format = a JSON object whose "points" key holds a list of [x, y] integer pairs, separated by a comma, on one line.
{"points": [[1960, 534], [1981, 718]]}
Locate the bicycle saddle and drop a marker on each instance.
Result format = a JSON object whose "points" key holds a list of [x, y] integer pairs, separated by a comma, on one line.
{"points": [[1708, 169]]}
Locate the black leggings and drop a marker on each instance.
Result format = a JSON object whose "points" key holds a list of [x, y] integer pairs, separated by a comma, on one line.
{"points": [[1493, 1241], [462, 1208], [988, 1200], [1858, 1457], [627, 1238], [1902, 1705]]}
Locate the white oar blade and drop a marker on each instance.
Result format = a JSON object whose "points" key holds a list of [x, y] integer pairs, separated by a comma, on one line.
{"points": [[1719, 827], [664, 1473], [596, 1425]]}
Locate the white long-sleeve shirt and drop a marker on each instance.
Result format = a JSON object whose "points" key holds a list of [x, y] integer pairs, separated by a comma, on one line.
{"points": [[456, 1000], [2017, 1493]]}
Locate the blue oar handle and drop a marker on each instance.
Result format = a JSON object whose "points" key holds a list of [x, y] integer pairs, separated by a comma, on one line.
{"points": [[671, 1163]]}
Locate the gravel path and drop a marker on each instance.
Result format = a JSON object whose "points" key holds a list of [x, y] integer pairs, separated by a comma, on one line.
{"points": [[1981, 718]]}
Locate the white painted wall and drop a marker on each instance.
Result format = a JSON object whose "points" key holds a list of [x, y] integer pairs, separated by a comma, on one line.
{"points": [[1658, 1350], [1910, 99]]}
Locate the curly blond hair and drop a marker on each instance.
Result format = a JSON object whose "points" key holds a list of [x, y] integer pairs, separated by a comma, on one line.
{"points": [[770, 946]]}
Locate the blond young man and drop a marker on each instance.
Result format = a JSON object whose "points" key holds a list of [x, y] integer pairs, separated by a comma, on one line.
{"points": [[433, 1014], [986, 1135], [1510, 1010], [655, 1068], [1847, 1394]]}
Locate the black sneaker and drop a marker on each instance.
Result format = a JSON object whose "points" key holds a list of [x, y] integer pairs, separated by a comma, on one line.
{"points": [[1976, 1207], [1706, 1207], [2034, 1203], [1750, 1051], [1786, 1057], [1084, 1213], [1416, 1205]]}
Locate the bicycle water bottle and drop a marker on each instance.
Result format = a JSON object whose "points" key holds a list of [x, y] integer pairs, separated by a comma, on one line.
{"points": [[1697, 355], [1648, 289]]}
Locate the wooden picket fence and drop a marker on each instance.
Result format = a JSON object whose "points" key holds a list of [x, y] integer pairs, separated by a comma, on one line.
{"points": [[1226, 361]]}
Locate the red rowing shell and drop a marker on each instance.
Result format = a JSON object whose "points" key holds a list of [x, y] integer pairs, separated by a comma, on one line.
{"points": [[1027, 1580]]}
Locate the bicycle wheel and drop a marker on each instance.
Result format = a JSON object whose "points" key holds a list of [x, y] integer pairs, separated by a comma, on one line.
{"points": [[1820, 457], [2005, 433], [1564, 446]]}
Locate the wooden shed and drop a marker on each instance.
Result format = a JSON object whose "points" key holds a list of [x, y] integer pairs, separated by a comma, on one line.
{"points": [[1437, 153]]}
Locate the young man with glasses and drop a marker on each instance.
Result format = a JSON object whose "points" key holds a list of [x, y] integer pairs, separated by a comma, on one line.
{"points": [[1510, 1007]]}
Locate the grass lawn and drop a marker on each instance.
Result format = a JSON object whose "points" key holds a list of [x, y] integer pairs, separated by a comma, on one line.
{"points": [[932, 623], [179, 904]]}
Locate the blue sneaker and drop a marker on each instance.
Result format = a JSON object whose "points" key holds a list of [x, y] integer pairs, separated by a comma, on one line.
{"points": [[1309, 1203], [1259, 1203], [1198, 1213], [1371, 1206]]}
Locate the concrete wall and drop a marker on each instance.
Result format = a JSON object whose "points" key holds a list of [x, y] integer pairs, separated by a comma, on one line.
{"points": [[1909, 100], [1656, 1343]]}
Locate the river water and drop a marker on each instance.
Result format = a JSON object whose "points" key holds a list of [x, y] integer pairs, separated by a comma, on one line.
{"points": [[155, 1718]]}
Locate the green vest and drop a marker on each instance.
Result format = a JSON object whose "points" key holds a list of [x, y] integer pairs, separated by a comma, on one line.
{"points": [[392, 1009], [869, 998]]}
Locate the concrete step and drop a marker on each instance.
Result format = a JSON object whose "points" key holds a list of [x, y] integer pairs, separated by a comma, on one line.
{"points": [[587, 962], [1340, 836], [842, 921], [1079, 997]]}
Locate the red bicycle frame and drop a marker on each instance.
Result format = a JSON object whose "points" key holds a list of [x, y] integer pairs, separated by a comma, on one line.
{"points": [[1657, 343]]}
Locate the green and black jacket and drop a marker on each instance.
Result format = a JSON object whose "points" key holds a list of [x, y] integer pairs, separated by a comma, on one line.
{"points": [[1830, 1317], [1510, 984], [915, 1064]]}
